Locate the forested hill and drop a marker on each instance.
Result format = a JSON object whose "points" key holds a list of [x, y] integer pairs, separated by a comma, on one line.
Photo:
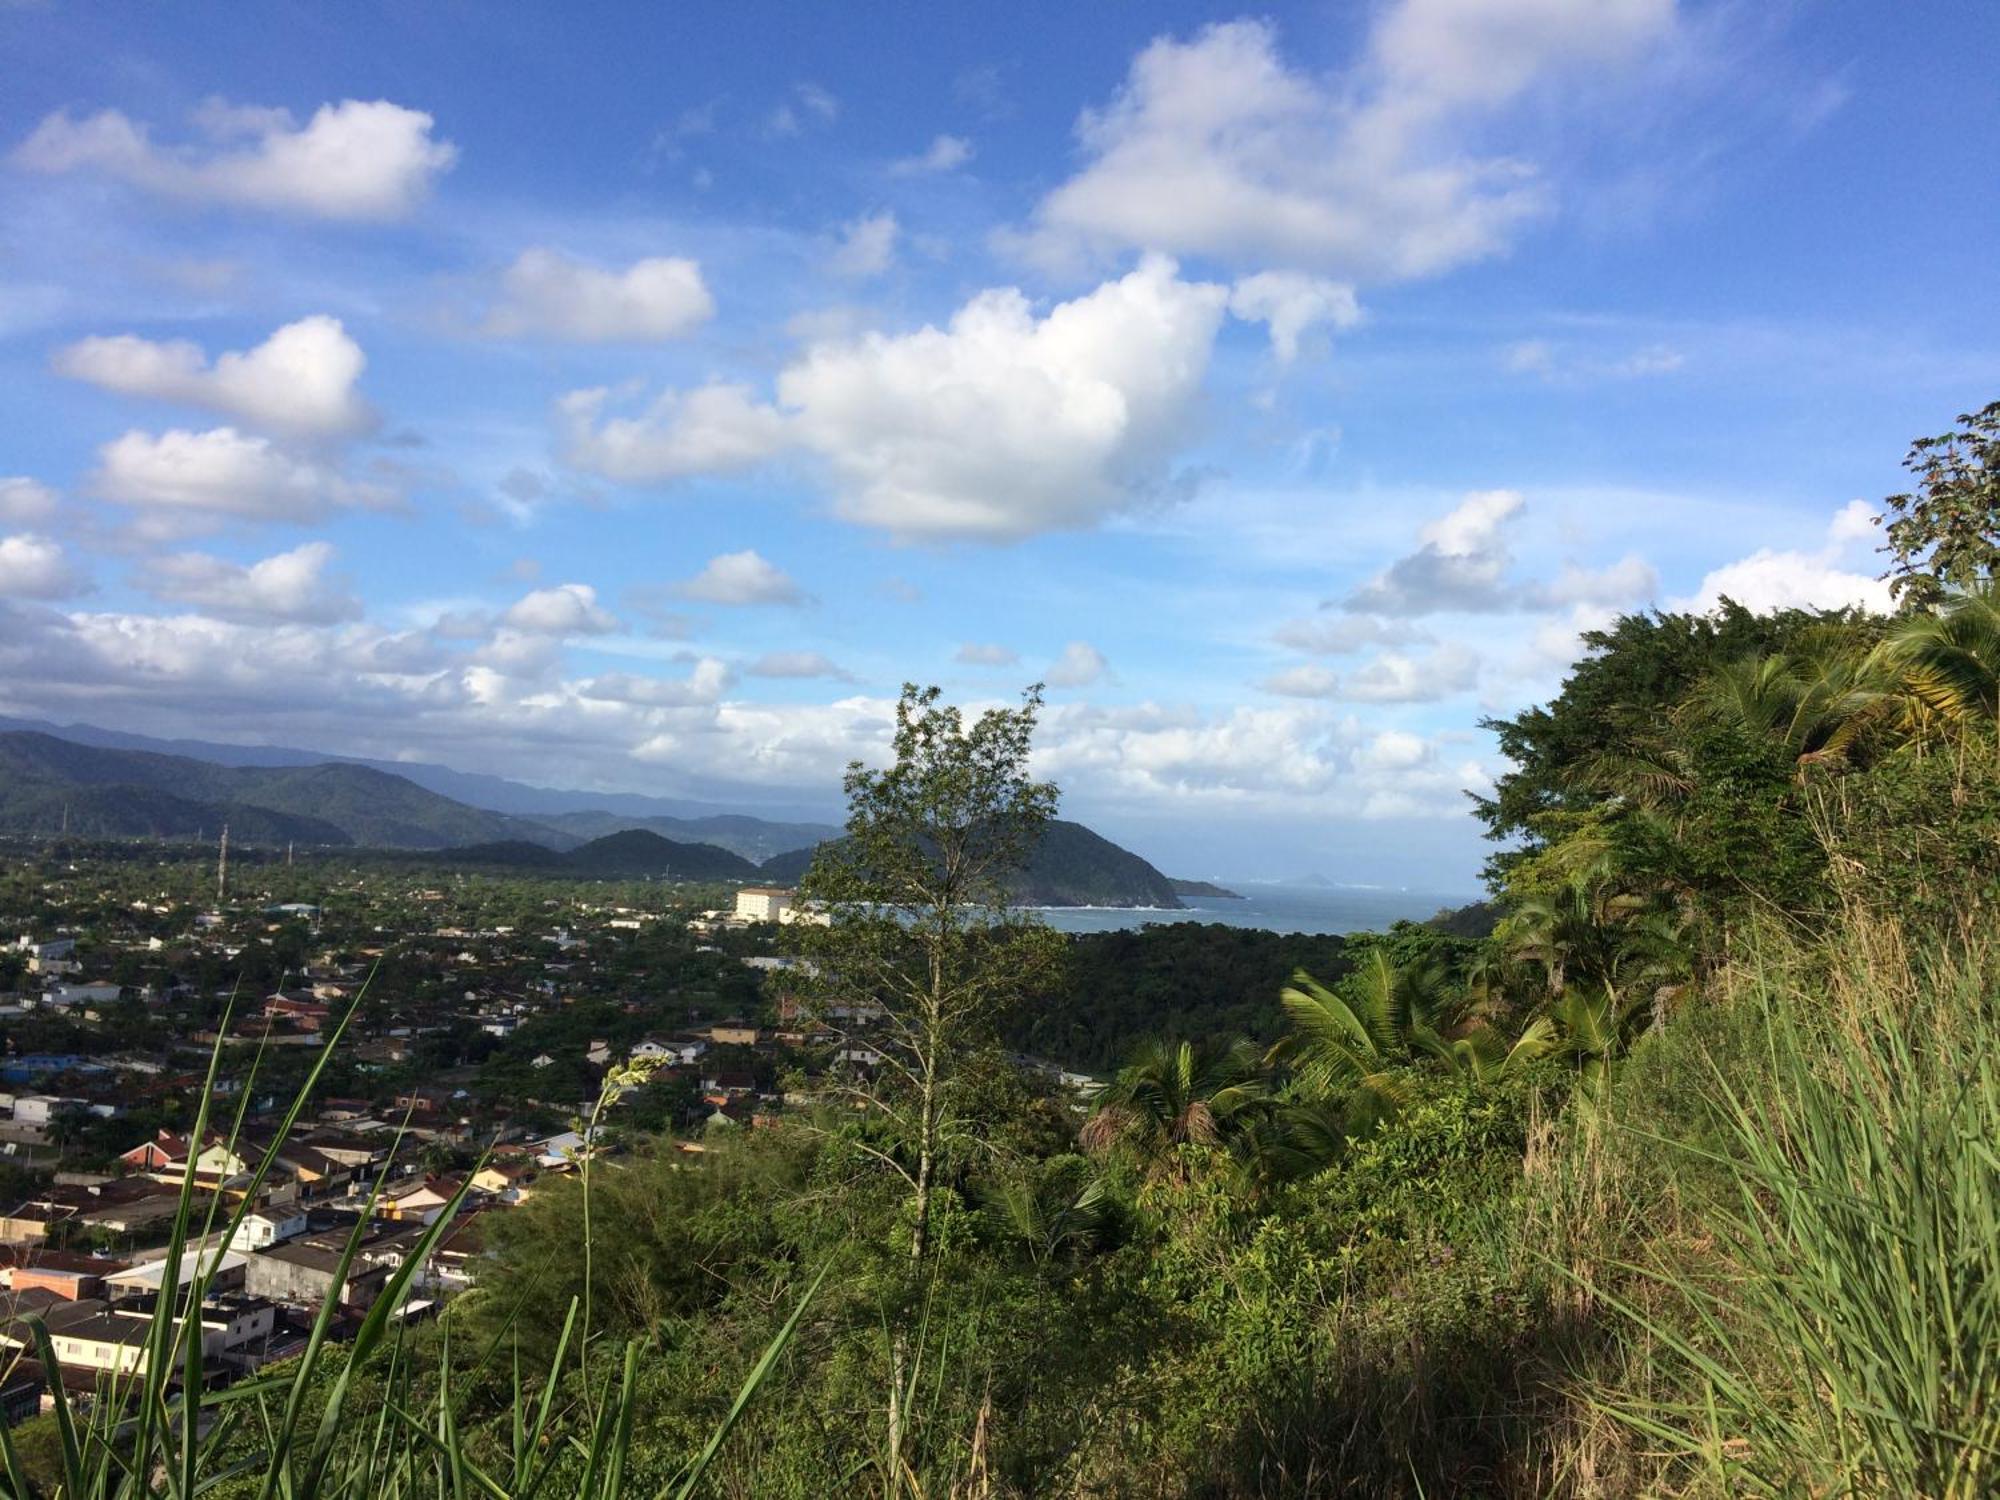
{"points": [[100, 793], [632, 853], [753, 838], [1071, 867], [635, 851]]}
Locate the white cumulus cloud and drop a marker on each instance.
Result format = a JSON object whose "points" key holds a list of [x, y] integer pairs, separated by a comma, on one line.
{"points": [[1290, 303], [290, 586], [1460, 564], [1080, 665], [1392, 677], [547, 294], [299, 382], [25, 501], [741, 578], [358, 159], [1823, 578], [195, 479], [1218, 146], [34, 567], [565, 609], [867, 246], [712, 429], [1004, 424]]}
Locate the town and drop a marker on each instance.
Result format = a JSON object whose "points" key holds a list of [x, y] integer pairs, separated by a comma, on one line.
{"points": [[474, 1034]]}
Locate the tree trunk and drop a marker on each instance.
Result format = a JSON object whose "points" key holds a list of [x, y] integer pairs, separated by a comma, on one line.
{"points": [[920, 1238]]}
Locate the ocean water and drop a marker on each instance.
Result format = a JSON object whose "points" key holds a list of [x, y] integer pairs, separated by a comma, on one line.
{"points": [[1274, 906]]}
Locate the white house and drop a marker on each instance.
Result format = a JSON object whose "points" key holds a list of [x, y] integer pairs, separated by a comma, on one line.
{"points": [[561, 1150], [65, 994], [674, 1049], [260, 1231], [40, 1109]]}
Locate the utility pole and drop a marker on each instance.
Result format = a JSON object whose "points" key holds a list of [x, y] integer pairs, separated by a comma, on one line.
{"points": [[222, 867]]}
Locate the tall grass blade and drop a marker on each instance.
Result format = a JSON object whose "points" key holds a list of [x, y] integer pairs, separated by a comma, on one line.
{"points": [[772, 1353]]}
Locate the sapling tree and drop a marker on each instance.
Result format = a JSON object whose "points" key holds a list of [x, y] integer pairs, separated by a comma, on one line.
{"points": [[916, 951]]}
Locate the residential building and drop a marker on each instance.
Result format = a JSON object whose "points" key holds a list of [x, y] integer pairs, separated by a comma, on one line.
{"points": [[260, 1231], [763, 903]]}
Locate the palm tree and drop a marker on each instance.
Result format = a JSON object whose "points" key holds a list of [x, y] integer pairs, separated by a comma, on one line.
{"points": [[1591, 1030], [1570, 930], [1048, 1212], [1295, 1138], [1174, 1094], [1823, 705], [1482, 1055], [1950, 659], [1819, 702], [1655, 960], [1351, 1047]]}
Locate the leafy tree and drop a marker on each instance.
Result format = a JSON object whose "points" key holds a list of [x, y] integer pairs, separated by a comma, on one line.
{"points": [[1629, 677], [919, 931], [1945, 534]]}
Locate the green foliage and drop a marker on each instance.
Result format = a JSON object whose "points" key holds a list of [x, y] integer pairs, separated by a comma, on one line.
{"points": [[1945, 534], [1637, 670], [1178, 980]]}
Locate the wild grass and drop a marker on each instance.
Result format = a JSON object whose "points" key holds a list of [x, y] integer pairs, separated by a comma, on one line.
{"points": [[1837, 1331], [301, 1429]]}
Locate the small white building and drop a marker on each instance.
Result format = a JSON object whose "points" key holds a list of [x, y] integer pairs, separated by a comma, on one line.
{"points": [[260, 1231], [40, 1109], [673, 1049], [763, 903]]}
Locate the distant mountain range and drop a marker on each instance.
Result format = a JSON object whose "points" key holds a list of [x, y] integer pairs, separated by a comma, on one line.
{"points": [[494, 793], [49, 782]]}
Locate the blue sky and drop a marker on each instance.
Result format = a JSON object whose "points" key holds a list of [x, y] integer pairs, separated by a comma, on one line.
{"points": [[633, 397]]}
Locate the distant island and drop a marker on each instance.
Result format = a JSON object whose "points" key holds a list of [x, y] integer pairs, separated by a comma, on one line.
{"points": [[1206, 888]]}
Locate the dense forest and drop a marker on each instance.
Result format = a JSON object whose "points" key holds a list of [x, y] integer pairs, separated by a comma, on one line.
{"points": [[1681, 1181]]}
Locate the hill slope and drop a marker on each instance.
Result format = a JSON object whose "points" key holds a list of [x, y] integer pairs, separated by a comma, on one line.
{"points": [[636, 851], [141, 794], [1071, 867], [754, 839]]}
